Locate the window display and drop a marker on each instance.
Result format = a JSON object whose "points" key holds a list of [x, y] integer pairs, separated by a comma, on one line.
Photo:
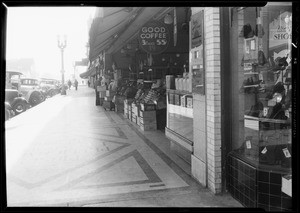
{"points": [[265, 73]]}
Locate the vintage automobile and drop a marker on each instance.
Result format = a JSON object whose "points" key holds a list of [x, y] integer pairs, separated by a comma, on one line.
{"points": [[31, 91], [13, 97], [50, 87], [9, 112]]}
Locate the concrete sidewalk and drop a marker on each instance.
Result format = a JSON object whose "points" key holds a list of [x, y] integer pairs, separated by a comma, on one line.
{"points": [[69, 152]]}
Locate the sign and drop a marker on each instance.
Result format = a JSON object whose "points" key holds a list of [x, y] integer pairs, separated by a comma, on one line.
{"points": [[197, 29], [154, 37]]}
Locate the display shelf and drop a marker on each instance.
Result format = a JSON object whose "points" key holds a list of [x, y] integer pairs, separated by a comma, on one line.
{"points": [[251, 73], [249, 86]]}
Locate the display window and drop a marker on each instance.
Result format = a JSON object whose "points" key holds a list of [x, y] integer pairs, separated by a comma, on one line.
{"points": [[264, 75]]}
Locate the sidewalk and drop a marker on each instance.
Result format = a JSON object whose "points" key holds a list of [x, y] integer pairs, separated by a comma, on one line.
{"points": [[69, 152]]}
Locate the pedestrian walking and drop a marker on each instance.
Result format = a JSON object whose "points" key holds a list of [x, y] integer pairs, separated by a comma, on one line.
{"points": [[76, 84], [69, 84], [89, 83]]}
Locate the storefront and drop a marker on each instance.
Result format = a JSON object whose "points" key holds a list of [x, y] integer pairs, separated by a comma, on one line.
{"points": [[258, 163], [221, 77]]}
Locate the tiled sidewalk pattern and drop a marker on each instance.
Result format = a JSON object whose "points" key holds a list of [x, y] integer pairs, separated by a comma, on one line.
{"points": [[69, 152]]}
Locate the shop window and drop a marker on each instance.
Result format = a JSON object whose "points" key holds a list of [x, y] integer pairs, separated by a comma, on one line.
{"points": [[261, 98]]}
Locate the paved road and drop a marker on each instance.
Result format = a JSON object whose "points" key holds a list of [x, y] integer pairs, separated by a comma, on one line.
{"points": [[69, 152]]}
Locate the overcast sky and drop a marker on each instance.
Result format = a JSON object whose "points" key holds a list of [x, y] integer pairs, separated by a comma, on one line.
{"points": [[32, 33]]}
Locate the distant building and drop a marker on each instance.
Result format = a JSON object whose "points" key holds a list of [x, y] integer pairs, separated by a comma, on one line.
{"points": [[24, 65]]}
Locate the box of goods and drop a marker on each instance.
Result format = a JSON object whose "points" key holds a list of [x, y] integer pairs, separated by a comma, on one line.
{"points": [[183, 101], [148, 120], [171, 98], [189, 101], [130, 115], [135, 108], [177, 99], [108, 105], [128, 101], [110, 93], [147, 127], [101, 88], [170, 82], [147, 114], [101, 101], [147, 107], [107, 98], [133, 118], [138, 120], [102, 94]]}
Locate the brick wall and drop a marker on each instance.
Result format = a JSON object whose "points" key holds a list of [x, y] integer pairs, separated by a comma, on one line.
{"points": [[213, 97]]}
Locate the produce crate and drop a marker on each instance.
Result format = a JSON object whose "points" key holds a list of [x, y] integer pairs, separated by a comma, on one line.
{"points": [[147, 107], [148, 114], [102, 94], [108, 105], [177, 99], [148, 120]]}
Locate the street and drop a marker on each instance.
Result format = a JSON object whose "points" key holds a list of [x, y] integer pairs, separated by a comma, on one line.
{"points": [[68, 152]]}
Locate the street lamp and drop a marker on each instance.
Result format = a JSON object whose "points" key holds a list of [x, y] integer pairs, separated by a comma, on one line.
{"points": [[62, 45]]}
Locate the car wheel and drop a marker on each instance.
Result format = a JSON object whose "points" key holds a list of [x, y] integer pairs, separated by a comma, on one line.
{"points": [[35, 99], [19, 107]]}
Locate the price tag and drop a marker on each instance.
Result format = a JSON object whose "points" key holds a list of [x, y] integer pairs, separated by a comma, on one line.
{"points": [[266, 110], [264, 150], [248, 144], [286, 153]]}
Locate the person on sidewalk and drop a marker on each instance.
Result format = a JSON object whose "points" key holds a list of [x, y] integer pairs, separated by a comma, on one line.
{"points": [[69, 84], [89, 83], [76, 84]]}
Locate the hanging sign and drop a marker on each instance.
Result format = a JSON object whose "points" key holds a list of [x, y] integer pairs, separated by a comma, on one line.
{"points": [[154, 37]]}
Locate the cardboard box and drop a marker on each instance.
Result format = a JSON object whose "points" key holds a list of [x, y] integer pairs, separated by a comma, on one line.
{"points": [[183, 101], [177, 99], [147, 120], [102, 94], [189, 102], [148, 114], [147, 107], [110, 93], [106, 98]]}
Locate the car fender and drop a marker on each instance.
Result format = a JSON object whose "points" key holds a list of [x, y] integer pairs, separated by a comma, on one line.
{"points": [[19, 99]]}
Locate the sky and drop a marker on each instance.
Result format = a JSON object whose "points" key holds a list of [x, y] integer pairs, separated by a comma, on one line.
{"points": [[32, 33]]}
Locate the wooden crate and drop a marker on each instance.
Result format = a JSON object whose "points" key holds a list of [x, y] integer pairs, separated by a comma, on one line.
{"points": [[147, 114], [107, 98], [147, 107], [148, 120], [102, 94]]}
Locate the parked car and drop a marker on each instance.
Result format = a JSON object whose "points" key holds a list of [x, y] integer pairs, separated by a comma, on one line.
{"points": [[18, 103], [50, 87], [13, 97], [9, 112], [31, 91]]}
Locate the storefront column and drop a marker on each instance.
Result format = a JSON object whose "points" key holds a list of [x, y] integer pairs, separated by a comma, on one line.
{"points": [[206, 158]]}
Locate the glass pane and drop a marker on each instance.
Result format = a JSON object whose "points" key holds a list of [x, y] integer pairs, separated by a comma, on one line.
{"points": [[264, 78]]}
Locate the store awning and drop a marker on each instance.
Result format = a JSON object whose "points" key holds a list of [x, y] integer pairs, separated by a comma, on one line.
{"points": [[132, 30], [117, 26], [90, 72], [105, 28]]}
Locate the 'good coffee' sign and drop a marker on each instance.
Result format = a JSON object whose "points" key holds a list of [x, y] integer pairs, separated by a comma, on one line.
{"points": [[154, 37]]}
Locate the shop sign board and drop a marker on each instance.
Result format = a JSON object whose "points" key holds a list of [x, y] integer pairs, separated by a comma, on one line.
{"points": [[154, 37], [280, 35]]}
